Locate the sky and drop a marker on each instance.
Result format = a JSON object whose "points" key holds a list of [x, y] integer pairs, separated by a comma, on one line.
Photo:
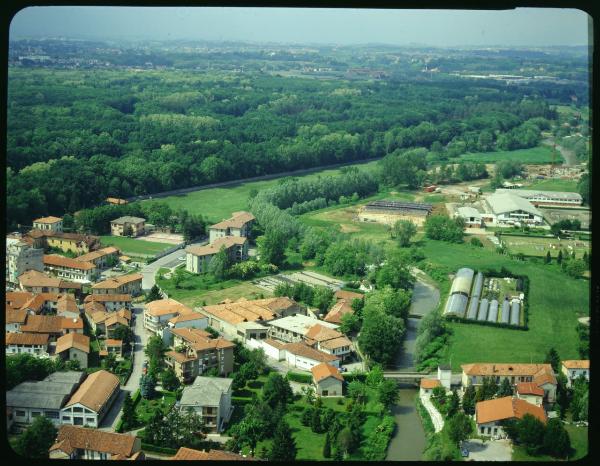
{"points": [[520, 27]]}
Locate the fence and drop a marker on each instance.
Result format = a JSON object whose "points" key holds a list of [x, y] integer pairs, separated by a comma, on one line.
{"points": [[169, 251]]}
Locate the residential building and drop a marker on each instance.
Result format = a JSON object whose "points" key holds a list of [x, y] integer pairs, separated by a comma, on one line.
{"points": [[65, 267], [92, 400], [573, 369], [73, 242], [74, 347], [471, 216], [210, 397], [128, 226], [66, 306], [101, 257], [20, 257], [39, 282], [229, 317], [304, 357], [198, 257], [427, 385], [105, 322], [273, 349], [46, 397], [540, 374], [240, 225], [195, 352], [32, 343], [490, 414], [115, 201], [530, 392], [296, 328], [111, 302], [51, 224], [80, 443], [340, 347], [55, 326], [509, 209], [188, 454], [251, 330], [340, 308], [327, 380], [14, 318], [169, 313], [123, 284], [114, 321], [112, 346], [546, 198]]}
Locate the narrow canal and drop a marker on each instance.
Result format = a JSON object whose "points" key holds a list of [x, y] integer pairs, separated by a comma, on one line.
{"points": [[408, 441]]}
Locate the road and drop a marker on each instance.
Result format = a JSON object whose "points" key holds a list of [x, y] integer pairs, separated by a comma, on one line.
{"points": [[169, 261], [112, 417]]}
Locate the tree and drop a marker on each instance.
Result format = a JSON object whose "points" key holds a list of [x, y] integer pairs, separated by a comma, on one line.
{"points": [[381, 336], [453, 404], [350, 323], [169, 380], [37, 439], [327, 446], [553, 359], [548, 258], [387, 393], [574, 267], [530, 431], [248, 432], [476, 242], [154, 294], [344, 440], [403, 231], [271, 247], [307, 415], [556, 439], [468, 400], [322, 297], [375, 376], [124, 333], [129, 416], [459, 428], [219, 264], [73, 365], [559, 258], [284, 447], [505, 388], [178, 277], [277, 390], [444, 228], [155, 348]]}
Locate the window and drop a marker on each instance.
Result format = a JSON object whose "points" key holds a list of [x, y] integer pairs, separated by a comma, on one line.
{"points": [[78, 421], [51, 414], [78, 410], [35, 414], [20, 413]]}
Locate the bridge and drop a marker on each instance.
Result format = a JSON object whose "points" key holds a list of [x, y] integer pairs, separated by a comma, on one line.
{"points": [[406, 376]]}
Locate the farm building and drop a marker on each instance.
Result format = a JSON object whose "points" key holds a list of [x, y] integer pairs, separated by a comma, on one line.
{"points": [[457, 303], [515, 313], [471, 216], [473, 306], [389, 212], [462, 282], [505, 312], [507, 209], [546, 198], [483, 309], [493, 312]]}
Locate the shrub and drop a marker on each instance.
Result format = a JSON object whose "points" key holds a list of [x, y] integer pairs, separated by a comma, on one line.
{"points": [[300, 378]]}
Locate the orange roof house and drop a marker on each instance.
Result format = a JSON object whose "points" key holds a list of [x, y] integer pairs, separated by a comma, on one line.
{"points": [[73, 340], [324, 370], [430, 384], [507, 407]]}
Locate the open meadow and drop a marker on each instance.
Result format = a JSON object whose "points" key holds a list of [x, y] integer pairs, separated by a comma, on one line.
{"points": [[134, 247], [537, 246], [553, 184], [534, 155]]}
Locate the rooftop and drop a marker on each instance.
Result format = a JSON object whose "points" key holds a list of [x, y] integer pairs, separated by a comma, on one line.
{"points": [[390, 205], [503, 369], [163, 307], [506, 408], [95, 391], [187, 454], [213, 248], [302, 324], [430, 383], [73, 340], [301, 349], [71, 438], [127, 219], [529, 388], [116, 282], [237, 220], [576, 363], [50, 393], [321, 333], [103, 298], [90, 256], [348, 295], [534, 194], [48, 220], [205, 391], [33, 278], [27, 339], [507, 202], [324, 370], [62, 261]]}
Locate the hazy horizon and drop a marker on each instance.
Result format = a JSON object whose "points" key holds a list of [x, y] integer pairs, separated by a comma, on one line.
{"points": [[523, 27]]}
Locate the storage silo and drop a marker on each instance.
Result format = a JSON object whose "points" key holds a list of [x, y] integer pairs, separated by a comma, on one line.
{"points": [[457, 304], [473, 306], [515, 313], [493, 312], [483, 308], [504, 318], [477, 285], [462, 281]]}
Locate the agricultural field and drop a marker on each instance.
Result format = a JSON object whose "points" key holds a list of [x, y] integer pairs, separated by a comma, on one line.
{"points": [[555, 215], [134, 247], [554, 184], [538, 246], [555, 303], [216, 204], [534, 155]]}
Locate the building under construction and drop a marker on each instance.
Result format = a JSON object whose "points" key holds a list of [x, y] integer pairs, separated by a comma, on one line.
{"points": [[389, 212]]}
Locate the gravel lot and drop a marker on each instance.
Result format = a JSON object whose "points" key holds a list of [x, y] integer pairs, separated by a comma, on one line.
{"points": [[493, 450]]}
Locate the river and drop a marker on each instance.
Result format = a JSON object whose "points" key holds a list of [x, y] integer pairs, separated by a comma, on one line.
{"points": [[409, 440]]}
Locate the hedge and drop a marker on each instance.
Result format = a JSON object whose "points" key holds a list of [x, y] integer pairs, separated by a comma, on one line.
{"points": [[157, 449], [360, 376], [377, 443], [298, 377]]}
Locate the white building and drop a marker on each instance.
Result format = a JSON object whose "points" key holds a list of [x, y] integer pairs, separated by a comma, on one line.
{"points": [[304, 357], [471, 216], [240, 224], [210, 397], [546, 198], [51, 224], [21, 257], [294, 328], [32, 343], [509, 209], [573, 369]]}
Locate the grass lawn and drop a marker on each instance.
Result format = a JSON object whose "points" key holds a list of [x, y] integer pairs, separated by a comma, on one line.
{"points": [[536, 246], [216, 204], [146, 408], [555, 303], [553, 185], [533, 155], [241, 290], [579, 445], [131, 246]]}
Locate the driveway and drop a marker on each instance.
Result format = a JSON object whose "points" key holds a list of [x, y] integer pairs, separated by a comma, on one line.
{"points": [[491, 450]]}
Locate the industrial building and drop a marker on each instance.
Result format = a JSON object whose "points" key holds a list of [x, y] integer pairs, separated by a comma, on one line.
{"points": [[389, 212], [546, 198], [471, 216], [509, 209]]}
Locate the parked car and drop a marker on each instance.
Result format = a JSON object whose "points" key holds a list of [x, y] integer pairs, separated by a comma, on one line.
{"points": [[343, 369]]}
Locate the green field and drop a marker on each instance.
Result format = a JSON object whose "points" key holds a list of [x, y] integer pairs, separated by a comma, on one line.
{"points": [[131, 246], [579, 445], [555, 303], [536, 246], [554, 185], [216, 204], [534, 155]]}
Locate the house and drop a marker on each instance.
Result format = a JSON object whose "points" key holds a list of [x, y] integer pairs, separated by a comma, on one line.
{"points": [[92, 400], [540, 374], [20, 257], [14, 318], [32, 343], [46, 397], [196, 352], [105, 322], [15, 300], [295, 328], [115, 201], [198, 257], [530, 392], [112, 346], [340, 308], [251, 330], [111, 302], [573, 369], [66, 306], [471, 216], [240, 225], [74, 347], [65, 267], [123, 284], [340, 347], [210, 397], [114, 321], [52, 224], [33, 303], [80, 443], [509, 209], [68, 242], [39, 282], [188, 454], [169, 313], [128, 226], [304, 357], [490, 414], [427, 385], [228, 317], [101, 258], [327, 380], [55, 326]]}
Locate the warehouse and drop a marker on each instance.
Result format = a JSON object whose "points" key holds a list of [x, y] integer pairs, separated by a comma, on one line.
{"points": [[509, 209], [546, 198], [389, 212], [471, 216]]}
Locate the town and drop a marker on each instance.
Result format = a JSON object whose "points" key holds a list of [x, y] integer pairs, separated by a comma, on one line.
{"points": [[229, 250]]}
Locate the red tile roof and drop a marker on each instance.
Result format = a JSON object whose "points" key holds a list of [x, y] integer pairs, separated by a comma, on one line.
{"points": [[323, 371], [506, 408], [71, 438]]}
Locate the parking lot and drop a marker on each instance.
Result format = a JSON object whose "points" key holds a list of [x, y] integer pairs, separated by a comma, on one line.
{"points": [[491, 450]]}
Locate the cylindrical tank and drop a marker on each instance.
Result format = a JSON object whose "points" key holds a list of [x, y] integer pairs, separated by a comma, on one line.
{"points": [[457, 304], [505, 317], [477, 285], [493, 312], [515, 313], [462, 282], [473, 306], [483, 308]]}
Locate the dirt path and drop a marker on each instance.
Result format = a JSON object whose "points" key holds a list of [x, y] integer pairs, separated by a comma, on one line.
{"points": [[568, 155]]}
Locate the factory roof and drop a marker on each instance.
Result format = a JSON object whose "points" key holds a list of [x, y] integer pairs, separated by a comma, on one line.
{"points": [[508, 202]]}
